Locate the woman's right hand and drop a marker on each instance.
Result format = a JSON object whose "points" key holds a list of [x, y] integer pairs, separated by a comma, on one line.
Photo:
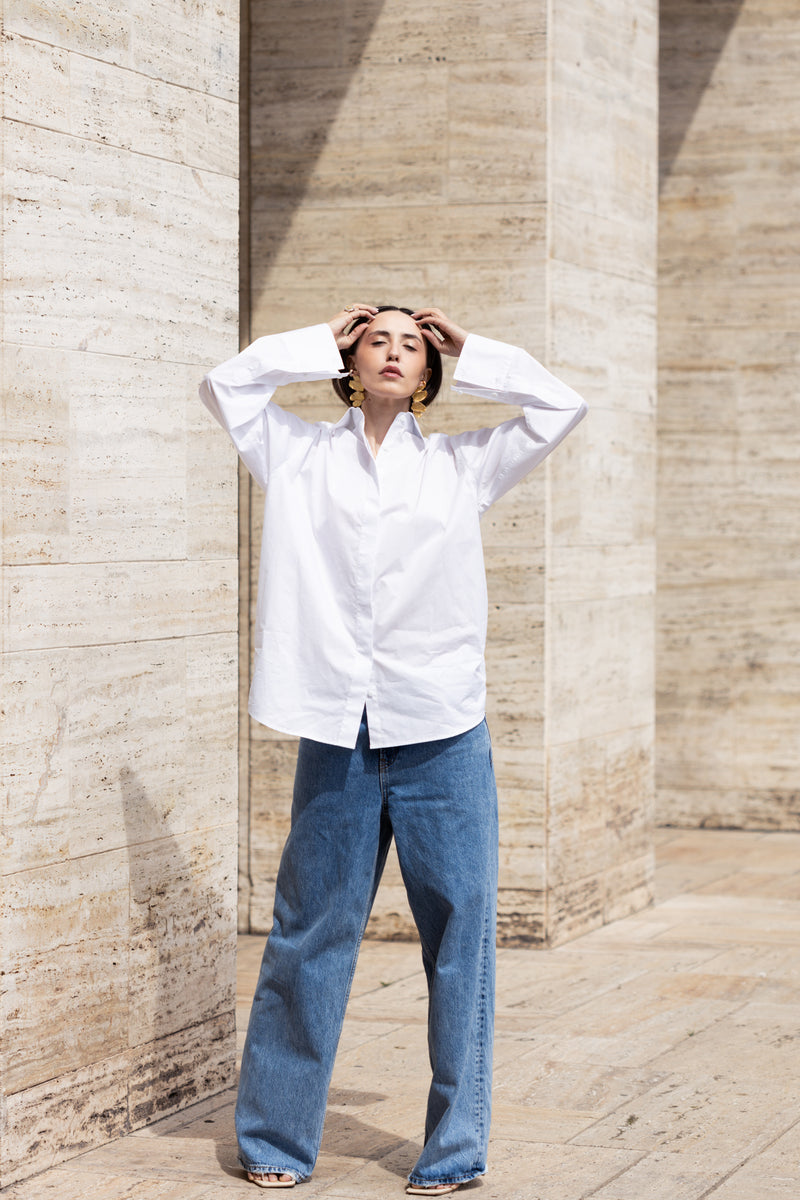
{"points": [[343, 320]]}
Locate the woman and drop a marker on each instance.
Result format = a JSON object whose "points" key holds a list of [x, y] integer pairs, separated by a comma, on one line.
{"points": [[370, 635]]}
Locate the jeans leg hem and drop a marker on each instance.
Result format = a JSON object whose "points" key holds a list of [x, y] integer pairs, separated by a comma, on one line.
{"points": [[418, 1181], [271, 1169]]}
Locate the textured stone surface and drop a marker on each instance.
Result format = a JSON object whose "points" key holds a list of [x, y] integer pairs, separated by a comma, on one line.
{"points": [[729, 486], [118, 636], [65, 950], [500, 163]]}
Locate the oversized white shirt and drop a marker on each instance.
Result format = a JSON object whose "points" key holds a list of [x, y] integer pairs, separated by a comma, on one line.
{"points": [[372, 589]]}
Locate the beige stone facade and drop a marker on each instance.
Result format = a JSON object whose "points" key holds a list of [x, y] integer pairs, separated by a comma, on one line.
{"points": [[729, 412], [499, 162], [119, 647]]}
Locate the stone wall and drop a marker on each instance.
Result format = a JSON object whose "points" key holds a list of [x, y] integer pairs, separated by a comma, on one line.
{"points": [[499, 162], [729, 465], [600, 560], [119, 649]]}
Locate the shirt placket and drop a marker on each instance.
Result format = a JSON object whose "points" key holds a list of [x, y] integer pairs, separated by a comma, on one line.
{"points": [[390, 460], [366, 543]]}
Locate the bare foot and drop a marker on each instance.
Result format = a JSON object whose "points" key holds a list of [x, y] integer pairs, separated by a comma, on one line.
{"points": [[433, 1189], [271, 1179]]}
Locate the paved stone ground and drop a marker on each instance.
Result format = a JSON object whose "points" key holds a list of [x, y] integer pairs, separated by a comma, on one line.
{"points": [[655, 1059]]}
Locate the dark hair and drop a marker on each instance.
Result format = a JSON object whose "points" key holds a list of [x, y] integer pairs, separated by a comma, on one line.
{"points": [[342, 386]]}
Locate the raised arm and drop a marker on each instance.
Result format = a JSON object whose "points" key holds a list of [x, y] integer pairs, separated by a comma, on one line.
{"points": [[238, 393], [503, 455]]}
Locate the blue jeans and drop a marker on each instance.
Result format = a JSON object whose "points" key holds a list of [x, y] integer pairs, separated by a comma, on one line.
{"points": [[439, 801]]}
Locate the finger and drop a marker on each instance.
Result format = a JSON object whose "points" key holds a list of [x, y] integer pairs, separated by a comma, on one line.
{"points": [[354, 328], [354, 312], [432, 335], [436, 333], [361, 312], [435, 319]]}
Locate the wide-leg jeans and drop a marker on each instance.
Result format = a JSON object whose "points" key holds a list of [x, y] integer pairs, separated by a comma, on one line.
{"points": [[439, 801]]}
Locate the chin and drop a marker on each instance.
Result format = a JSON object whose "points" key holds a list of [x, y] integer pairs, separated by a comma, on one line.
{"points": [[388, 393]]}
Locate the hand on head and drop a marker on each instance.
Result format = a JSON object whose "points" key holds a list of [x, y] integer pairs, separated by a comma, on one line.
{"points": [[344, 330], [442, 333], [452, 336]]}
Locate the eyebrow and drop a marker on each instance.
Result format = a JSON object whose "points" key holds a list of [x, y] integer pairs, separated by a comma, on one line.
{"points": [[386, 333]]}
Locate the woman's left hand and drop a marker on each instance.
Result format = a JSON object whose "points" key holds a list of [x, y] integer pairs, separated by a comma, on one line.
{"points": [[454, 336]]}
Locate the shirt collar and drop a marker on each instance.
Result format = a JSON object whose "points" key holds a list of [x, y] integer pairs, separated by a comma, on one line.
{"points": [[404, 422]]}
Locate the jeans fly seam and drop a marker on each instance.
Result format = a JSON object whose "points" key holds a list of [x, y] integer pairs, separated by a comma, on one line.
{"points": [[383, 772]]}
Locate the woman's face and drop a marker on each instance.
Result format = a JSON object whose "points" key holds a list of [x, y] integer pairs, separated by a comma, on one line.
{"points": [[391, 356]]}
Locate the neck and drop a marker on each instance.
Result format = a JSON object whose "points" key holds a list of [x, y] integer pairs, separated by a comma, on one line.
{"points": [[378, 418]]}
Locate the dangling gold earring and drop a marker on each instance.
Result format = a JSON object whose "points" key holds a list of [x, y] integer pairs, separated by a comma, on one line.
{"points": [[418, 400], [356, 389]]}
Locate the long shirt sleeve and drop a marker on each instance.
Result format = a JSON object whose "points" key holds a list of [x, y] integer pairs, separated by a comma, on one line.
{"points": [[501, 456], [238, 392]]}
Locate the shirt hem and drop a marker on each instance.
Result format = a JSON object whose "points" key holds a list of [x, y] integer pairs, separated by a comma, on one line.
{"points": [[303, 729]]}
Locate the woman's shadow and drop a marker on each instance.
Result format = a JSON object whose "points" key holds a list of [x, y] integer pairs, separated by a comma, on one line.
{"points": [[182, 967], [345, 1135]]}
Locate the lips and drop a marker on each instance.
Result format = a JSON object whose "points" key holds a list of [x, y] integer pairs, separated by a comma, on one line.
{"points": [[392, 373]]}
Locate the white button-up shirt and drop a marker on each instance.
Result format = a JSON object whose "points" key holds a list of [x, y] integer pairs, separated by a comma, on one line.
{"points": [[372, 589]]}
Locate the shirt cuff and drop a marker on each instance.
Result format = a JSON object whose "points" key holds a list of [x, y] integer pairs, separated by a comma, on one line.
{"points": [[238, 390], [299, 355]]}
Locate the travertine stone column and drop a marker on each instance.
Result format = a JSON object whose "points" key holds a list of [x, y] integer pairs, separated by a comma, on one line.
{"points": [[729, 465], [500, 162], [600, 564], [119, 648]]}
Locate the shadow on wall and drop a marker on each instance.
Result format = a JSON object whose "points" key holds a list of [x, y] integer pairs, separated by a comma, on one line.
{"points": [[182, 964], [301, 62], [692, 37]]}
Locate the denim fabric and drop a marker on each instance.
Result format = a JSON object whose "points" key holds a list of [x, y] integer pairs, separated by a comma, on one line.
{"points": [[439, 801]]}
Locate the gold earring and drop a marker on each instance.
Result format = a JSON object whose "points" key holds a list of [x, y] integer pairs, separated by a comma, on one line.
{"points": [[356, 389], [418, 400]]}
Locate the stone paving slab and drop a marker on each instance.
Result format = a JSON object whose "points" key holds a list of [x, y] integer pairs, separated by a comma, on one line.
{"points": [[655, 1058]]}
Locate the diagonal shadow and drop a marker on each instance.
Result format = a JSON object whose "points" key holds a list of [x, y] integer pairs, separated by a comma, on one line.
{"points": [[693, 34], [173, 986], [299, 61], [346, 1134]]}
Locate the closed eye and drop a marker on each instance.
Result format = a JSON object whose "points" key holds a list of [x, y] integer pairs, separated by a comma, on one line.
{"points": [[380, 335]]}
